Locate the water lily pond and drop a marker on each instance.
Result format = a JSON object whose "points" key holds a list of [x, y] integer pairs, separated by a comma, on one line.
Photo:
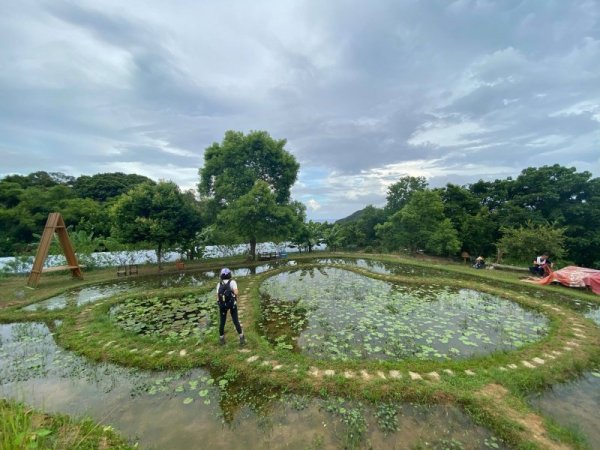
{"points": [[331, 313], [175, 318], [90, 294], [169, 410]]}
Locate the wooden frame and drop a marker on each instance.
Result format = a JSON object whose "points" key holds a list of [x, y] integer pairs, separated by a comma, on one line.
{"points": [[54, 224]]}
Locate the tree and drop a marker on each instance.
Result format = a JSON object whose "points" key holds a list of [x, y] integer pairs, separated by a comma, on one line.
{"points": [[399, 193], [308, 235], [155, 213], [232, 167], [104, 186], [421, 225], [523, 243], [257, 216]]}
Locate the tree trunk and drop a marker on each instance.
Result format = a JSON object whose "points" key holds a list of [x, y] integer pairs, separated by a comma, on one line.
{"points": [[309, 248], [253, 248], [159, 256]]}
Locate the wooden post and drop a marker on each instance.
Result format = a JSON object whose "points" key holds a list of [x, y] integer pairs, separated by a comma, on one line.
{"points": [[54, 224]]}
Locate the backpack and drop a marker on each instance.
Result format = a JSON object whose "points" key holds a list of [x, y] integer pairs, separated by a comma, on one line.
{"points": [[226, 295]]}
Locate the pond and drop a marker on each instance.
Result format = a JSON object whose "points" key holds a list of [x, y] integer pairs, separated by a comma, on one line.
{"points": [[182, 409], [89, 294], [575, 404], [331, 313], [173, 318]]}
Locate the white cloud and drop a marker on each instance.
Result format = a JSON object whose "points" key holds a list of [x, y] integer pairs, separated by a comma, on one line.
{"points": [[313, 205]]}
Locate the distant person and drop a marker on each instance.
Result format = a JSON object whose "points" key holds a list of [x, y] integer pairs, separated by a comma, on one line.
{"points": [[479, 263], [540, 264], [227, 295]]}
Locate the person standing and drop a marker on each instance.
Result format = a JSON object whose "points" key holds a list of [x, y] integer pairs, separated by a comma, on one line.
{"points": [[227, 295]]}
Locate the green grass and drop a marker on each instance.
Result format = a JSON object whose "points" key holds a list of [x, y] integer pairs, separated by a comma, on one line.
{"points": [[22, 427]]}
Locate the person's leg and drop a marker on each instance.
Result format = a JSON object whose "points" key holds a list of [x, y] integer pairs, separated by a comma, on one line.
{"points": [[236, 322], [222, 319]]}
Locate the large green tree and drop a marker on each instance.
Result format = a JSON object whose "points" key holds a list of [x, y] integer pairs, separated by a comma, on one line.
{"points": [[232, 167], [421, 225], [159, 214], [399, 193], [257, 216], [229, 184]]}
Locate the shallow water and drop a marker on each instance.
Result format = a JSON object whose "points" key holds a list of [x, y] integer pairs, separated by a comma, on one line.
{"points": [[81, 296], [332, 313], [196, 410], [575, 404]]}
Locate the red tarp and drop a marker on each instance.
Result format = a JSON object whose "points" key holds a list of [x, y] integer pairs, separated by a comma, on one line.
{"points": [[574, 276]]}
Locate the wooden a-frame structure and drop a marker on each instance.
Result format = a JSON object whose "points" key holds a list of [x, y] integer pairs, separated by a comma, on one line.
{"points": [[54, 224]]}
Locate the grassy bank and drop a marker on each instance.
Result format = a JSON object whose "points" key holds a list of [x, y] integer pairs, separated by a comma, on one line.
{"points": [[22, 427]]}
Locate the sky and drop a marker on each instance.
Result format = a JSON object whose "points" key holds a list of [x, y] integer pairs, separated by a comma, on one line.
{"points": [[364, 92]]}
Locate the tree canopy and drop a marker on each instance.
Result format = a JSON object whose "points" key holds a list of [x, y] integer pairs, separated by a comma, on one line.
{"points": [[158, 214], [232, 167]]}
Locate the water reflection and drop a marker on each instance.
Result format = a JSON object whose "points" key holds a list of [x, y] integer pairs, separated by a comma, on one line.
{"points": [[81, 296], [333, 313], [180, 410], [575, 404]]}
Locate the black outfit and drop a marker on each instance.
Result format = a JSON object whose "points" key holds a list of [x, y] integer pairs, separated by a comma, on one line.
{"points": [[227, 302]]}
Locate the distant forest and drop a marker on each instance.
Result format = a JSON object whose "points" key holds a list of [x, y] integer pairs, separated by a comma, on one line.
{"points": [[551, 208]]}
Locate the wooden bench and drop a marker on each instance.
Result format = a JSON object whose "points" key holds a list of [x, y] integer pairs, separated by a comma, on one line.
{"points": [[131, 269], [266, 256]]}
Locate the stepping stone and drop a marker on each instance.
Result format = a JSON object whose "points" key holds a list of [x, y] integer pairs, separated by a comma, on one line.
{"points": [[244, 350], [449, 372], [555, 309], [182, 352], [539, 361], [557, 353], [434, 376], [415, 376], [573, 343], [569, 349], [349, 374], [133, 350], [470, 372], [313, 371], [329, 372], [580, 336], [549, 356], [366, 375], [381, 375], [277, 367], [511, 366], [503, 369], [252, 359], [171, 352], [395, 374], [528, 364], [109, 343]]}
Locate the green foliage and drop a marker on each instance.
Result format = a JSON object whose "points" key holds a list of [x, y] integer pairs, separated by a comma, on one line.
{"points": [[309, 234], [421, 225], [526, 242], [159, 214], [399, 193], [256, 217], [232, 167], [104, 186]]}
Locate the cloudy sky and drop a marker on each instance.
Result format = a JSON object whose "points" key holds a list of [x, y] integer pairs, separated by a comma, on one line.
{"points": [[364, 92]]}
